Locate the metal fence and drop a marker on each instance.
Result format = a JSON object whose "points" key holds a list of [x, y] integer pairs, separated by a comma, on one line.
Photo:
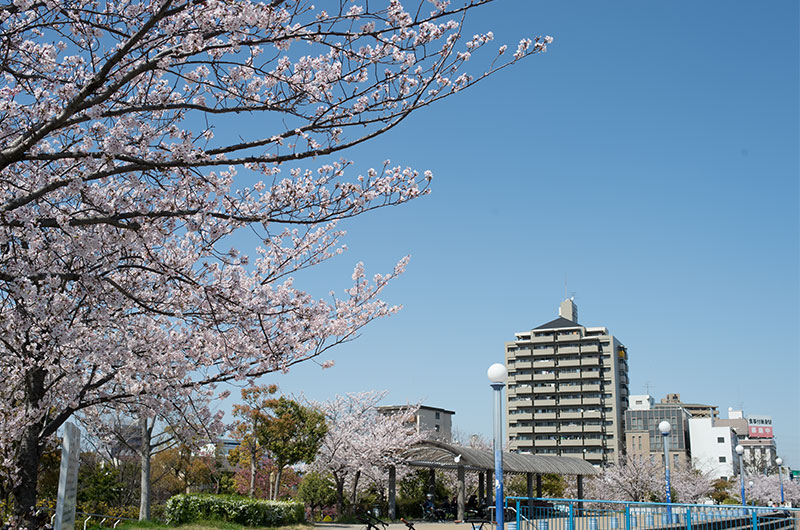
{"points": [[586, 514]]}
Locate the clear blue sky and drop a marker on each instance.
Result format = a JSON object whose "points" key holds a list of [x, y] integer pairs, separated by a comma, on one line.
{"points": [[651, 158]]}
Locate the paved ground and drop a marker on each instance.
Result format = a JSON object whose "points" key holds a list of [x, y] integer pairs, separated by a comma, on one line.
{"points": [[400, 526]]}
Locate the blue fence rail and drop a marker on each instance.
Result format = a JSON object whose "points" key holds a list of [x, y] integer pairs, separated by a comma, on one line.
{"points": [[585, 514]]}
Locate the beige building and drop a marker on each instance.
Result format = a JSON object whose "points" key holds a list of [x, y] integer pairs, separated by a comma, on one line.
{"points": [[567, 390], [433, 423]]}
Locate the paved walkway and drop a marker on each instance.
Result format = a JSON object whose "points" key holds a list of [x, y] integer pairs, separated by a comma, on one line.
{"points": [[418, 525]]}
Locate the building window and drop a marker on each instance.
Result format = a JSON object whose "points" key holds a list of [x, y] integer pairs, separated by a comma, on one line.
{"points": [[720, 440], [722, 459], [437, 415]]}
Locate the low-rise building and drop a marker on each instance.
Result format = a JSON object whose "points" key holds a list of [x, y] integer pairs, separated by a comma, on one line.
{"points": [[432, 422], [756, 438], [644, 440], [713, 448], [697, 410]]}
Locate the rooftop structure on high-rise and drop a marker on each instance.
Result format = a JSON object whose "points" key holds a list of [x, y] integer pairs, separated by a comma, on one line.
{"points": [[567, 390]]}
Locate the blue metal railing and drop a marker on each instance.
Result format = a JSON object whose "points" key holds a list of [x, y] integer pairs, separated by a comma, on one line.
{"points": [[588, 514]]}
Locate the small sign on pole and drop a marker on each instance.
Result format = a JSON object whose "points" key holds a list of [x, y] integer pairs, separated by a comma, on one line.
{"points": [[68, 478]]}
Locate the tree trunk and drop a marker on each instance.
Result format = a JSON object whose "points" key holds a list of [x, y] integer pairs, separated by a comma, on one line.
{"points": [[28, 455], [355, 490], [252, 492], [277, 483], [24, 490], [339, 494], [144, 454]]}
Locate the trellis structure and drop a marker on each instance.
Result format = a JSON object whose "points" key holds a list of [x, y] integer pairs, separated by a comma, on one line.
{"points": [[439, 455]]}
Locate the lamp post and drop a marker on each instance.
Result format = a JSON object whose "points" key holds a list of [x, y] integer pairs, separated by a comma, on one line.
{"points": [[665, 427], [740, 452], [779, 462], [498, 375]]}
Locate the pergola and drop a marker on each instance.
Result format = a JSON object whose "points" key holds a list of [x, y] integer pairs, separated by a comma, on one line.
{"points": [[439, 455]]}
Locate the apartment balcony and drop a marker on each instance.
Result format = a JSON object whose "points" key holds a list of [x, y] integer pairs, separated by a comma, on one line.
{"points": [[590, 362], [548, 402], [540, 340], [522, 377], [520, 365], [592, 414], [592, 428], [571, 363], [593, 442], [590, 388], [569, 401], [544, 377], [545, 429], [592, 401], [571, 443], [544, 389], [521, 417], [544, 364], [519, 403], [526, 429], [545, 443], [569, 375], [571, 428], [570, 337], [570, 416], [545, 415], [565, 350], [590, 348]]}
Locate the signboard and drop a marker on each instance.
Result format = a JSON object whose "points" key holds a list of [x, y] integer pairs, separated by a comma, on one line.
{"points": [[759, 426], [794, 474], [68, 478]]}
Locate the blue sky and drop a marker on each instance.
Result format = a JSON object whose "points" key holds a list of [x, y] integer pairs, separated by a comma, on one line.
{"points": [[650, 157]]}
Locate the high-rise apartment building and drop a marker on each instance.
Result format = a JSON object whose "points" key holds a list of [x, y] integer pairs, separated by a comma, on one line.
{"points": [[567, 390]]}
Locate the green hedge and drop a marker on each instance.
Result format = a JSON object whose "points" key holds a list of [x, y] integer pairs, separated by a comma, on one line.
{"points": [[183, 509]]}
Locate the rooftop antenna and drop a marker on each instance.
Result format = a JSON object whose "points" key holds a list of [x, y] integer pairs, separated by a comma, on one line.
{"points": [[647, 386], [565, 286]]}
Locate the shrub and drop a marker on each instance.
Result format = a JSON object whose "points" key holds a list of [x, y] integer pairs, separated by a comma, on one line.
{"points": [[187, 508]]}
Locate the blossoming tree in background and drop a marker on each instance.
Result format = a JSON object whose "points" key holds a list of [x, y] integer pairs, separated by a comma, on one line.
{"points": [[361, 442], [137, 136]]}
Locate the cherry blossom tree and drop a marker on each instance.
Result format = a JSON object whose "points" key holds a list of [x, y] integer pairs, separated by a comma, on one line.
{"points": [[642, 480], [633, 479], [136, 137], [361, 442], [146, 428], [766, 489]]}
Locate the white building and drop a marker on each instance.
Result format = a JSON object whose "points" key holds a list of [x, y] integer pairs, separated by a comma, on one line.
{"points": [[713, 448]]}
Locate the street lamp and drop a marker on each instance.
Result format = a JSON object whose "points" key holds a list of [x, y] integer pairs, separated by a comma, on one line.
{"points": [[665, 427], [750, 485], [498, 375], [779, 462], [740, 452]]}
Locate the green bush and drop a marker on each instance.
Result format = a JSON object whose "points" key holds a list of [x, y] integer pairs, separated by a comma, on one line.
{"points": [[187, 508]]}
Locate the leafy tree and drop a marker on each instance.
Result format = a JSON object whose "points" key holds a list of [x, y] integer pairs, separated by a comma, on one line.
{"points": [[124, 176], [553, 486], [98, 484], [316, 491], [250, 419], [292, 434]]}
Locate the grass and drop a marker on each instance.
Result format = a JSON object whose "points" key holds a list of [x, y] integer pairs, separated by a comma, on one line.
{"points": [[207, 525]]}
